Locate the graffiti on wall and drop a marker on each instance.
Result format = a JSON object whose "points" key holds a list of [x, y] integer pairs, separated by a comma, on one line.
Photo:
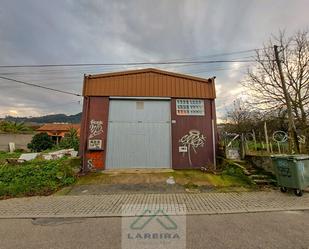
{"points": [[89, 164], [95, 128], [95, 153], [301, 139], [282, 137], [193, 140], [95, 160]]}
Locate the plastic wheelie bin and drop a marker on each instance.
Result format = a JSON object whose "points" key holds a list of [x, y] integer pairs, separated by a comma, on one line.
{"points": [[292, 172]]}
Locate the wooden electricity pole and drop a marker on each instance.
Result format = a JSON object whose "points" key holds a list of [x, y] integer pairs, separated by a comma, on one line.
{"points": [[266, 136], [293, 146]]}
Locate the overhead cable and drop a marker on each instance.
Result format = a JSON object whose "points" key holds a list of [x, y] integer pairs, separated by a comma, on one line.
{"points": [[39, 86]]}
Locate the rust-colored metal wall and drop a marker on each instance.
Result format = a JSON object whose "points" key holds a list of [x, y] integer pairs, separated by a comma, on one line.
{"points": [[94, 126], [193, 132], [196, 133], [83, 128], [148, 83]]}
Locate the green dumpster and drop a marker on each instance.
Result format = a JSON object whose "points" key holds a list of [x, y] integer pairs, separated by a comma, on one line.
{"points": [[292, 172]]}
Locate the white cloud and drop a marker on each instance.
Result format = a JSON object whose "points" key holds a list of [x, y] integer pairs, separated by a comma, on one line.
{"points": [[13, 112], [43, 32]]}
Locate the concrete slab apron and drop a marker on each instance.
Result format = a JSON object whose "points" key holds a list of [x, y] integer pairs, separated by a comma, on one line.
{"points": [[111, 205]]}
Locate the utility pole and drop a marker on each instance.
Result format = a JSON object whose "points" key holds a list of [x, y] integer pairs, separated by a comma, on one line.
{"points": [[292, 131], [266, 136]]}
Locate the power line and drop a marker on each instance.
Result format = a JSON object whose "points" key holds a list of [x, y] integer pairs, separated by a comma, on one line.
{"points": [[127, 63], [77, 74], [174, 61], [63, 104], [69, 80], [223, 54], [80, 70], [43, 87]]}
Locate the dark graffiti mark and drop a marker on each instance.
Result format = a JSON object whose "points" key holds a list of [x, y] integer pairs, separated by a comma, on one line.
{"points": [[193, 140]]}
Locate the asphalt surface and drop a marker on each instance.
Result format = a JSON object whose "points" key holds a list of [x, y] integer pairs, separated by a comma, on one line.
{"points": [[289, 229]]}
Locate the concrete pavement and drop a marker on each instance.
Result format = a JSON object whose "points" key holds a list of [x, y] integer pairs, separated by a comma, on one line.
{"points": [[111, 205]]}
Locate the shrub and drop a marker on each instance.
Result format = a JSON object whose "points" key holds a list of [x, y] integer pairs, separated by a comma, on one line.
{"points": [[38, 177], [70, 140], [237, 172], [40, 142]]}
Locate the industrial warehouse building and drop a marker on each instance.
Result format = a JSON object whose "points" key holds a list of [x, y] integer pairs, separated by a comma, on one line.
{"points": [[147, 118]]}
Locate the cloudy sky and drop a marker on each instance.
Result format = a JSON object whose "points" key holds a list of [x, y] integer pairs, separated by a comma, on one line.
{"points": [[34, 32]]}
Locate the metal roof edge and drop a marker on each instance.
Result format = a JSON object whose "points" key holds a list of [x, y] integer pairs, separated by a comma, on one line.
{"points": [[149, 70]]}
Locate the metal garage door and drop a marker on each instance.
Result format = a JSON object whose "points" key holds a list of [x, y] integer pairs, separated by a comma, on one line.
{"points": [[139, 134]]}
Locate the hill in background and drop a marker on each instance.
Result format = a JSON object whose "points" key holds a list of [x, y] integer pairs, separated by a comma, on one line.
{"points": [[55, 118]]}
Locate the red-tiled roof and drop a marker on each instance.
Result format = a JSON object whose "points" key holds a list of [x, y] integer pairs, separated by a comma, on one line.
{"points": [[58, 128]]}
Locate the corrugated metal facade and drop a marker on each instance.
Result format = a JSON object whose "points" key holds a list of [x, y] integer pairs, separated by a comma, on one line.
{"points": [[149, 83], [132, 137], [189, 139]]}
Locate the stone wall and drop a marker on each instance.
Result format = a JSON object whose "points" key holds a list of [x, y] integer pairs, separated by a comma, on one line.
{"points": [[20, 140], [263, 162]]}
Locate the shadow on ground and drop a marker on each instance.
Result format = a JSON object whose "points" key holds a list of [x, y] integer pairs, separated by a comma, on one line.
{"points": [[133, 188], [191, 181]]}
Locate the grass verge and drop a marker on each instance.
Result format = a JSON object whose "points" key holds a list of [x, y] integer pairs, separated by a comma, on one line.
{"points": [[37, 177], [5, 155], [231, 179]]}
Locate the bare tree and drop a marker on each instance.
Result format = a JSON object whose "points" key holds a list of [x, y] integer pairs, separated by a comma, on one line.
{"points": [[241, 117], [263, 79]]}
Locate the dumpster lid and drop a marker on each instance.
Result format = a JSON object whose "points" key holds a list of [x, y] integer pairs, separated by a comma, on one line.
{"points": [[289, 156], [300, 157], [280, 156]]}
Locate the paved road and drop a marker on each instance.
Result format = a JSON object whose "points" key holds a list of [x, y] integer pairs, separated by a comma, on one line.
{"points": [[288, 229]]}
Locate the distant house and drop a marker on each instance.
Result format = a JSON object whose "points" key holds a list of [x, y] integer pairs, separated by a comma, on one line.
{"points": [[58, 130]]}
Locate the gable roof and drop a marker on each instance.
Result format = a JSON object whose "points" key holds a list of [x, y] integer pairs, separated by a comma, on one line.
{"points": [[147, 70], [149, 82], [58, 127]]}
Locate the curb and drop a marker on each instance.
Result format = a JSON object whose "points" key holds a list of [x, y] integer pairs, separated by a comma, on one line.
{"points": [[194, 213]]}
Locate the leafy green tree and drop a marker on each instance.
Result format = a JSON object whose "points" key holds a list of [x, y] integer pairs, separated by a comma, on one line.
{"points": [[40, 142], [70, 140]]}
